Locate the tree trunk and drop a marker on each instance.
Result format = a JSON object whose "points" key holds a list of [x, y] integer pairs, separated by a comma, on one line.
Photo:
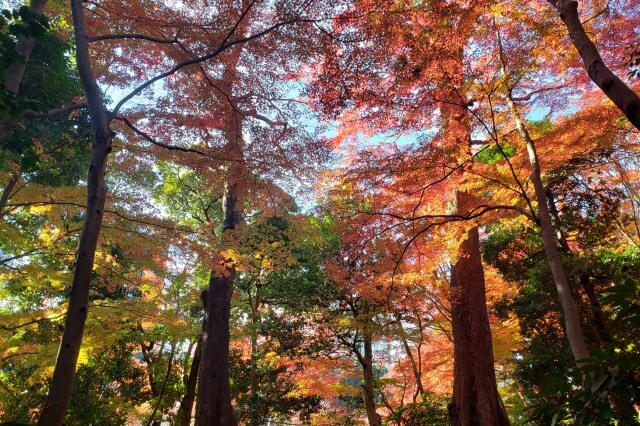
{"points": [[186, 405], [55, 406], [620, 94], [256, 414], [569, 306], [475, 400], [152, 420], [598, 315], [369, 385], [213, 407], [412, 360], [213, 399], [475, 395], [6, 193], [15, 71]]}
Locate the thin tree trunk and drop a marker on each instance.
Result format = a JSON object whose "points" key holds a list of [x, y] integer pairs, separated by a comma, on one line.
{"points": [[412, 360], [162, 388], [6, 193], [255, 418], [620, 94], [15, 71], [55, 406], [369, 385], [186, 405], [599, 319], [598, 315], [569, 307]]}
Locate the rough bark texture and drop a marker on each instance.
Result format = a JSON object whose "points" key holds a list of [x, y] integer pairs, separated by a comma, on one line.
{"points": [[13, 75], [214, 391], [475, 395], [569, 306], [213, 399], [615, 89], [55, 406], [186, 405], [475, 398]]}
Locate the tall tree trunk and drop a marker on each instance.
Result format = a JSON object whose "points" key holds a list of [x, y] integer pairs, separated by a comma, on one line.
{"points": [[475, 394], [620, 94], [213, 399], [369, 385], [596, 308], [475, 400], [569, 306], [186, 405], [213, 405], [599, 319], [55, 406], [214, 391], [15, 71]]}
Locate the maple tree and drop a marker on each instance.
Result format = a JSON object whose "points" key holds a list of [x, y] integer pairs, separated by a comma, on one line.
{"points": [[475, 226]]}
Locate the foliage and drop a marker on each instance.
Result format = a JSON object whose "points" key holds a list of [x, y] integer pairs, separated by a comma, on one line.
{"points": [[431, 410]]}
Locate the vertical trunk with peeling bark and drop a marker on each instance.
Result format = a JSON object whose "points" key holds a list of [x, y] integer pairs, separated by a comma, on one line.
{"points": [[55, 406], [620, 94], [475, 400], [475, 394]]}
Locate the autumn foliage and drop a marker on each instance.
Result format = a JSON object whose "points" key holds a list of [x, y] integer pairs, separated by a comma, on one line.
{"points": [[349, 212]]}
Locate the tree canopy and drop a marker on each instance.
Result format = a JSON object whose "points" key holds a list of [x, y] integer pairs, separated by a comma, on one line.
{"points": [[319, 212]]}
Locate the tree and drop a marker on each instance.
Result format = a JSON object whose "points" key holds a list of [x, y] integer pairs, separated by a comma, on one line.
{"points": [[620, 94]]}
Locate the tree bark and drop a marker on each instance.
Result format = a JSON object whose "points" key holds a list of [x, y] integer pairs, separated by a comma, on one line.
{"points": [[213, 405], [475, 394], [186, 405], [57, 401], [596, 308], [152, 419], [573, 329], [213, 399], [214, 391], [475, 400], [620, 94], [15, 71], [369, 385]]}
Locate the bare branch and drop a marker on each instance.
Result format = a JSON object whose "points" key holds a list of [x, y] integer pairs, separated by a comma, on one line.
{"points": [[133, 36], [53, 114]]}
